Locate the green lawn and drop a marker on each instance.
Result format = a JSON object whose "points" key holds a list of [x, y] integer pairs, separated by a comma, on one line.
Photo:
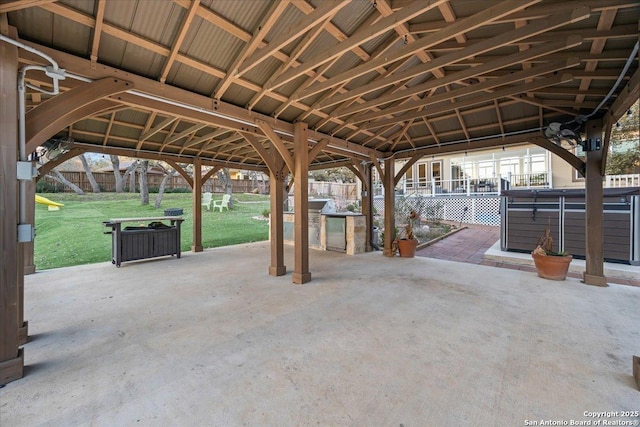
{"points": [[74, 235]]}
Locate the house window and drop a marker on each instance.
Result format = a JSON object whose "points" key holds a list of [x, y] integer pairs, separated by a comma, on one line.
{"points": [[485, 169], [436, 172], [409, 178], [423, 180]]}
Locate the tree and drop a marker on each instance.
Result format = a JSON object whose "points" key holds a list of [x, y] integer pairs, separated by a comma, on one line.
{"points": [[143, 167], [57, 175], [85, 164], [115, 161], [624, 147], [168, 175], [227, 184]]}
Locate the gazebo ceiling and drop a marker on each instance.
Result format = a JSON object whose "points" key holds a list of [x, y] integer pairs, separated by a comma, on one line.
{"points": [[369, 77]]}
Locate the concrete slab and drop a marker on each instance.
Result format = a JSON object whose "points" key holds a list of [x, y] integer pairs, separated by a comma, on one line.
{"points": [[211, 339]]}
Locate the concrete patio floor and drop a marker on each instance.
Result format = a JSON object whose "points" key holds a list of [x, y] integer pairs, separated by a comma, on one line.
{"points": [[211, 339]]}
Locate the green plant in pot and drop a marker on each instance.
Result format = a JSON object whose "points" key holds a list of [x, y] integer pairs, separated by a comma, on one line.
{"points": [[408, 243], [549, 263]]}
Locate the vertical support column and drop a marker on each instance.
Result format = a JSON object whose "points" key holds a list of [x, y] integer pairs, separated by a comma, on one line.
{"points": [[301, 272], [367, 204], [197, 205], [594, 214], [11, 356], [276, 190], [389, 206], [29, 263]]}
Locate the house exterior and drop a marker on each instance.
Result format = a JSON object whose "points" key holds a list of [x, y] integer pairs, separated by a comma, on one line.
{"points": [[487, 172]]}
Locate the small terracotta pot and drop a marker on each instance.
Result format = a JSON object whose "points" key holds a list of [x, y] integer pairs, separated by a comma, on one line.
{"points": [[407, 248], [551, 266]]}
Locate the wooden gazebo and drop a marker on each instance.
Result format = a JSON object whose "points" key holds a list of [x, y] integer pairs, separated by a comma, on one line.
{"points": [[289, 86]]}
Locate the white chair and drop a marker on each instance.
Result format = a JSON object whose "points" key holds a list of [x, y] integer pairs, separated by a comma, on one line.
{"points": [[206, 200], [224, 203]]}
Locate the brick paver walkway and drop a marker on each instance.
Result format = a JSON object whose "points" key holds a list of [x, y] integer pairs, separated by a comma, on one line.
{"points": [[470, 244]]}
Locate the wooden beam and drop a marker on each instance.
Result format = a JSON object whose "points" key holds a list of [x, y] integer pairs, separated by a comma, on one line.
{"points": [[181, 171], [12, 6], [193, 102], [51, 164], [266, 155], [192, 129], [316, 149], [266, 23], [430, 101], [463, 25], [61, 111], [97, 30], [356, 39], [501, 62], [327, 9], [467, 102], [278, 144], [148, 134], [412, 160], [563, 153], [214, 170], [182, 32]]}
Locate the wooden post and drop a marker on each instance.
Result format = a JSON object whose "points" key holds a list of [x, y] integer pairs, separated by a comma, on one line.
{"points": [[301, 272], [389, 206], [197, 205], [11, 356], [594, 214], [276, 190], [367, 204]]}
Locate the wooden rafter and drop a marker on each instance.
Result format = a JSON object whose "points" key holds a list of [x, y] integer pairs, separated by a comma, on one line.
{"points": [[182, 32], [13, 5], [459, 27], [97, 30], [274, 12], [355, 40]]}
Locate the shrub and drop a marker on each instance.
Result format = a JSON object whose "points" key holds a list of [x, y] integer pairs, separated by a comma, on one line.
{"points": [[265, 213], [43, 186]]}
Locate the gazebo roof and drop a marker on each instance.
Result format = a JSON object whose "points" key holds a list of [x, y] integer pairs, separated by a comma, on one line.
{"points": [[210, 79]]}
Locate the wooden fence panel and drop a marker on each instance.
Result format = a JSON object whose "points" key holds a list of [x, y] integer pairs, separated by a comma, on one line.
{"points": [[107, 183]]}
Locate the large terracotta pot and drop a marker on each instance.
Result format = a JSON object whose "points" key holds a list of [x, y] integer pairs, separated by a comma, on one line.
{"points": [[407, 248], [551, 266]]}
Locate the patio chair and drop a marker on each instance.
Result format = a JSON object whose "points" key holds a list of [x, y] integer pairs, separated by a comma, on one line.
{"points": [[224, 203], [206, 200]]}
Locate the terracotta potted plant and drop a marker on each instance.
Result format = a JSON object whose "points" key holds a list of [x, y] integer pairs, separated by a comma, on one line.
{"points": [[408, 243], [550, 264]]}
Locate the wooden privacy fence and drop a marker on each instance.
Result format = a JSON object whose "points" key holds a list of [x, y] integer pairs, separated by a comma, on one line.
{"points": [[107, 183], [338, 190]]}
